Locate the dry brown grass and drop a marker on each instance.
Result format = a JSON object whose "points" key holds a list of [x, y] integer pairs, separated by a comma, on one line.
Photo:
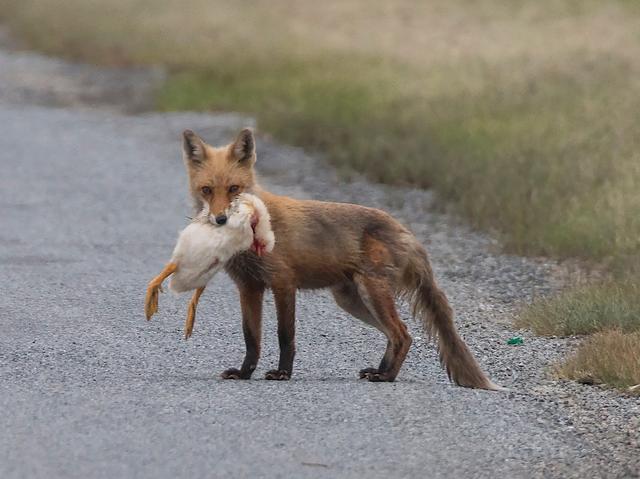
{"points": [[423, 34], [611, 358]]}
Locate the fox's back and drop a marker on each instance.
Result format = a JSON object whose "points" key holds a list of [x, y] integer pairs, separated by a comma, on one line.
{"points": [[318, 244]]}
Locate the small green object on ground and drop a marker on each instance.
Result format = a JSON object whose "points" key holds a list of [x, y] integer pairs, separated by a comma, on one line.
{"points": [[516, 340]]}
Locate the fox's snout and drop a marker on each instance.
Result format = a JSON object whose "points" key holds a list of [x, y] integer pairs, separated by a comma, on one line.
{"points": [[222, 217], [219, 219]]}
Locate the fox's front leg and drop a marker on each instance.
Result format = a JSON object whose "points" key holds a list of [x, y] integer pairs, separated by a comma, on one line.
{"points": [[154, 287], [285, 299], [251, 305]]}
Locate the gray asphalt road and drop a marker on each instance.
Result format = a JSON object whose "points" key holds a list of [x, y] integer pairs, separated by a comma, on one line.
{"points": [[90, 204]]}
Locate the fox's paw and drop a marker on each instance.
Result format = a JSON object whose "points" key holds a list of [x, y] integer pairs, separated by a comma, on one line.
{"points": [[151, 301], [278, 375], [364, 373], [234, 373], [375, 375]]}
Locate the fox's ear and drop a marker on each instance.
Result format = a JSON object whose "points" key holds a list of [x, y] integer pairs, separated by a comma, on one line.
{"points": [[193, 147], [244, 148]]}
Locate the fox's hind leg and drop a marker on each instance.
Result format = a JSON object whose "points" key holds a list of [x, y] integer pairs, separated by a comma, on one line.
{"points": [[377, 295], [191, 313], [154, 287], [349, 298]]}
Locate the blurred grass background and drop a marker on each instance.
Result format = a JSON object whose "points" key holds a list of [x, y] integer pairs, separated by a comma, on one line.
{"points": [[522, 115]]}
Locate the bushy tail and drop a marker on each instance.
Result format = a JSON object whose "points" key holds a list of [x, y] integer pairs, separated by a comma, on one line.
{"points": [[430, 305]]}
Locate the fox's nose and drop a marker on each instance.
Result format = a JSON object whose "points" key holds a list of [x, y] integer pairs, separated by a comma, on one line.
{"points": [[221, 219]]}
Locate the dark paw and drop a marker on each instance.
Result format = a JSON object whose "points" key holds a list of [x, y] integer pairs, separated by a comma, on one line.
{"points": [[380, 377], [234, 373], [375, 375], [277, 375], [364, 373]]}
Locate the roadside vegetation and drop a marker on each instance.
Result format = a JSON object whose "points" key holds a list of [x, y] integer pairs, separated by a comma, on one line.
{"points": [[522, 115], [611, 358]]}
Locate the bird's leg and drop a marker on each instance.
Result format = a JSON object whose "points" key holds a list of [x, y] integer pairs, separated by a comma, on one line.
{"points": [[155, 286], [191, 313]]}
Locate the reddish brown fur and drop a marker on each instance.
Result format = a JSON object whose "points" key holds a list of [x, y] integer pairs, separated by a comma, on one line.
{"points": [[362, 254]]}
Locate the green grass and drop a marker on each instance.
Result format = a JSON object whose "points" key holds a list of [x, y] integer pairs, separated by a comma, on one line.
{"points": [[586, 310]]}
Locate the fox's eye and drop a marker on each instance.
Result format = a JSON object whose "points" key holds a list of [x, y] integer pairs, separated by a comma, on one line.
{"points": [[234, 188], [205, 190]]}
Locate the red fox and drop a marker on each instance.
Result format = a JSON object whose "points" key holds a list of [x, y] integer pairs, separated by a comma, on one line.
{"points": [[364, 256]]}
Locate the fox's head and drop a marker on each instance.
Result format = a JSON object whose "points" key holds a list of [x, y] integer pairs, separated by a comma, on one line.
{"points": [[218, 175]]}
